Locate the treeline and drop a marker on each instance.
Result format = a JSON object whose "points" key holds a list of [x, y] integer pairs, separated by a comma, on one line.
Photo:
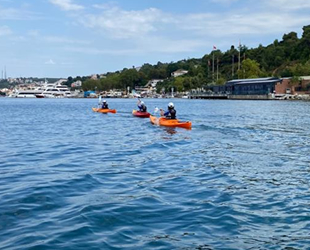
{"points": [[289, 57]]}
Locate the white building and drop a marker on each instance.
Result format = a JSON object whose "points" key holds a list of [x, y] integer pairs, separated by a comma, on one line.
{"points": [[78, 83], [152, 83], [179, 72], [94, 77]]}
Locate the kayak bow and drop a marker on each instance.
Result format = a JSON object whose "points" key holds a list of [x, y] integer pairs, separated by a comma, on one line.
{"points": [[161, 121]]}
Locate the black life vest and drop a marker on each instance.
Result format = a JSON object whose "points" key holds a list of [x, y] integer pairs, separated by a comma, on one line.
{"points": [[143, 108], [173, 113]]}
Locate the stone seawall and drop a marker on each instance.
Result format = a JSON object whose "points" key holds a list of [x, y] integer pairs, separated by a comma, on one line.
{"points": [[249, 97]]}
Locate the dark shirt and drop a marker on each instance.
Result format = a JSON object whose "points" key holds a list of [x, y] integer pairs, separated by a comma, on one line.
{"points": [[142, 108], [170, 113], [105, 106]]}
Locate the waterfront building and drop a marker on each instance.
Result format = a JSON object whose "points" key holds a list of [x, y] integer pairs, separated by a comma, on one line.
{"points": [[301, 87], [256, 86]]}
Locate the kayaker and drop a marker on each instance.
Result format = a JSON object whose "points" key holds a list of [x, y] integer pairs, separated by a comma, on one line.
{"points": [[170, 113], [105, 105], [141, 106]]}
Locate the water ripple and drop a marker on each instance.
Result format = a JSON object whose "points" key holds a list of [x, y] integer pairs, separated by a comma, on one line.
{"points": [[75, 179]]}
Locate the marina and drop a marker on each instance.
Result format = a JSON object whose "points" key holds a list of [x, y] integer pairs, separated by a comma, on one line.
{"points": [[47, 90]]}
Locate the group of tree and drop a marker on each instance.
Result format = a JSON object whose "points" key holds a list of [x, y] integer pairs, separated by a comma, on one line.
{"points": [[289, 57]]}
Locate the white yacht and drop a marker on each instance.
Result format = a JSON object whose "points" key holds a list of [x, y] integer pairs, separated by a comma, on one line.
{"points": [[25, 93], [51, 93], [55, 91], [48, 90], [64, 90]]}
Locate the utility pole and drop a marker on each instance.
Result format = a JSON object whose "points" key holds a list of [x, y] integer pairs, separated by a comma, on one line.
{"points": [[217, 70], [213, 66], [233, 66], [208, 68], [239, 57]]}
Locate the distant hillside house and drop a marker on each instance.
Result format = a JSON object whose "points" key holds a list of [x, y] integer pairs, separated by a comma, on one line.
{"points": [[179, 72], [94, 77], [76, 84], [152, 83]]}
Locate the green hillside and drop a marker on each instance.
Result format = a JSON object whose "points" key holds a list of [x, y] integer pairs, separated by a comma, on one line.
{"points": [[289, 57]]}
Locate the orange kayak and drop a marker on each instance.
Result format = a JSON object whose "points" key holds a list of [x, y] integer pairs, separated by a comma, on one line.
{"points": [[104, 110], [141, 114], [161, 121]]}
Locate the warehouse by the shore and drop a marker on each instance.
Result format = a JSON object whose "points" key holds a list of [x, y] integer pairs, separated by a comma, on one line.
{"points": [[257, 89]]}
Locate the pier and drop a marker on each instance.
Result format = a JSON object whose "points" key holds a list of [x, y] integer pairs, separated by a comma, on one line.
{"points": [[205, 95]]}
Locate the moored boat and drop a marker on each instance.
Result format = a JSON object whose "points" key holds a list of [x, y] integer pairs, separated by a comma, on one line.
{"points": [[162, 121], [25, 93], [39, 96], [104, 110], [141, 114]]}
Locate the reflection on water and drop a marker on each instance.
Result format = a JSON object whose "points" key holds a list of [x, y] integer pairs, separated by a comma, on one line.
{"points": [[170, 130]]}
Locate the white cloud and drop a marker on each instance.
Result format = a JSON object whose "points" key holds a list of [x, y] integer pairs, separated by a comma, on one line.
{"points": [[144, 46], [225, 2], [5, 30], [96, 51], [105, 6], [126, 24], [33, 33], [288, 4], [66, 5], [18, 14], [154, 31], [50, 62], [123, 24], [242, 24], [64, 40], [169, 45]]}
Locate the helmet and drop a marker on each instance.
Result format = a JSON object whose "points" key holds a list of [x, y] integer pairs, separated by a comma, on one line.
{"points": [[104, 101], [142, 103], [170, 105]]}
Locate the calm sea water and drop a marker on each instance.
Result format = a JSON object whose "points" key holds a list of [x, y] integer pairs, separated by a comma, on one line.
{"points": [[74, 179]]}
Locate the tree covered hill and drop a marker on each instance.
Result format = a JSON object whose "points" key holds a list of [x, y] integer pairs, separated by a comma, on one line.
{"points": [[289, 57]]}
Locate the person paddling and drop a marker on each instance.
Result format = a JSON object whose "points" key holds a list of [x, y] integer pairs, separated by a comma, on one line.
{"points": [[105, 105], [141, 106], [170, 113]]}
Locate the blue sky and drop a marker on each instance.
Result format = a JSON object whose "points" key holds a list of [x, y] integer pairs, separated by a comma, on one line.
{"points": [[61, 38]]}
